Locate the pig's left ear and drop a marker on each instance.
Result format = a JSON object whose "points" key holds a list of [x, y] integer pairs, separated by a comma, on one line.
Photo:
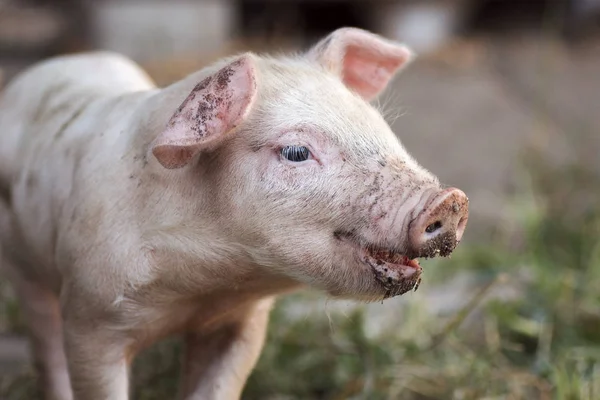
{"points": [[365, 61], [214, 108]]}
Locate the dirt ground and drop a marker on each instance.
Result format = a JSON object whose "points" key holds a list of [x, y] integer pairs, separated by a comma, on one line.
{"points": [[467, 114]]}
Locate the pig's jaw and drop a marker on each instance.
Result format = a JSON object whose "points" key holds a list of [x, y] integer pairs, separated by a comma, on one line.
{"points": [[395, 272]]}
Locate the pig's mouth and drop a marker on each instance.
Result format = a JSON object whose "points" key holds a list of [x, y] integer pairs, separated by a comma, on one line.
{"points": [[396, 272]]}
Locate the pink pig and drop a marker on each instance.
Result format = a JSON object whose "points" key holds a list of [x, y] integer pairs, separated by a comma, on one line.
{"points": [[130, 213]]}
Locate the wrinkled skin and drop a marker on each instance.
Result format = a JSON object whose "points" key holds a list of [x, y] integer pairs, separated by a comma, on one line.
{"points": [[130, 213]]}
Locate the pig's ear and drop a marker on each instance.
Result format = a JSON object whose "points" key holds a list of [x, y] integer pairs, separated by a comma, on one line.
{"points": [[214, 108], [365, 61]]}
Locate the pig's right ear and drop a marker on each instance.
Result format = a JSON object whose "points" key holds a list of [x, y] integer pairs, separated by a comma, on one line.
{"points": [[214, 108]]}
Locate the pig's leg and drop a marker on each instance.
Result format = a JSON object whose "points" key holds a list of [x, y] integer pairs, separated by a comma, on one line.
{"points": [[41, 310], [96, 354], [42, 313], [218, 363]]}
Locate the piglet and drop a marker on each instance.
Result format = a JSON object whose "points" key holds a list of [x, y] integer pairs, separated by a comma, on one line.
{"points": [[130, 213]]}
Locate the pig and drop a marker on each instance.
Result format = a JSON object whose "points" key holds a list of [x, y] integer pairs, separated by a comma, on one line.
{"points": [[130, 213]]}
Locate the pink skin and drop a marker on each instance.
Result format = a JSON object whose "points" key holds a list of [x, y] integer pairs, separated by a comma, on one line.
{"points": [[147, 212], [391, 207]]}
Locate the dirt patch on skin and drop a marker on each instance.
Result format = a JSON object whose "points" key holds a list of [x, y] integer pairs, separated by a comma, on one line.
{"points": [[442, 245], [397, 287], [225, 74], [183, 111], [215, 96], [73, 117], [449, 218], [396, 279]]}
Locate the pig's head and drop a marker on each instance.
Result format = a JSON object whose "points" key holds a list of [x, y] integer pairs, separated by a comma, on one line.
{"points": [[306, 176]]}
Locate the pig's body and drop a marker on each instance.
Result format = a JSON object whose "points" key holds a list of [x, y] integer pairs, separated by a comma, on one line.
{"points": [[129, 213], [59, 126], [83, 204]]}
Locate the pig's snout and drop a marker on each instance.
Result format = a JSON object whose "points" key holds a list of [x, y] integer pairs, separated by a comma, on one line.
{"points": [[438, 228]]}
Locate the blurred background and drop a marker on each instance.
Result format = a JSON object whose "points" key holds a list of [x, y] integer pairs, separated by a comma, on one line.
{"points": [[503, 102]]}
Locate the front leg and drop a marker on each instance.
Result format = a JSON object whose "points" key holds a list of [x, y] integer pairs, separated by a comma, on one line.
{"points": [[97, 359], [41, 309], [217, 364]]}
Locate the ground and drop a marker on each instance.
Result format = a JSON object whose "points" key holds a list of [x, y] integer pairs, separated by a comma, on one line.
{"points": [[514, 313]]}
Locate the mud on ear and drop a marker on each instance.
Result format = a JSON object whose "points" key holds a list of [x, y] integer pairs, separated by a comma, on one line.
{"points": [[366, 62], [215, 107]]}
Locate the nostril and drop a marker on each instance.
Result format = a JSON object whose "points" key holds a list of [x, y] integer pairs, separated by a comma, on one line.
{"points": [[433, 227], [440, 224]]}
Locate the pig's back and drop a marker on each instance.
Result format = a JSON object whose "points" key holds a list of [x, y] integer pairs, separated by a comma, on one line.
{"points": [[46, 92]]}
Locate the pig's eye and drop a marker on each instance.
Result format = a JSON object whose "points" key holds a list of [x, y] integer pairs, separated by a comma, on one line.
{"points": [[295, 153]]}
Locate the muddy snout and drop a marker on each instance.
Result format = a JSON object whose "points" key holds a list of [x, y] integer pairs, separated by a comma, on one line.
{"points": [[439, 226]]}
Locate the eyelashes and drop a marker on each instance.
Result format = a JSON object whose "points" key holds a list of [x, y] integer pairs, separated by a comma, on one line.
{"points": [[296, 153]]}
